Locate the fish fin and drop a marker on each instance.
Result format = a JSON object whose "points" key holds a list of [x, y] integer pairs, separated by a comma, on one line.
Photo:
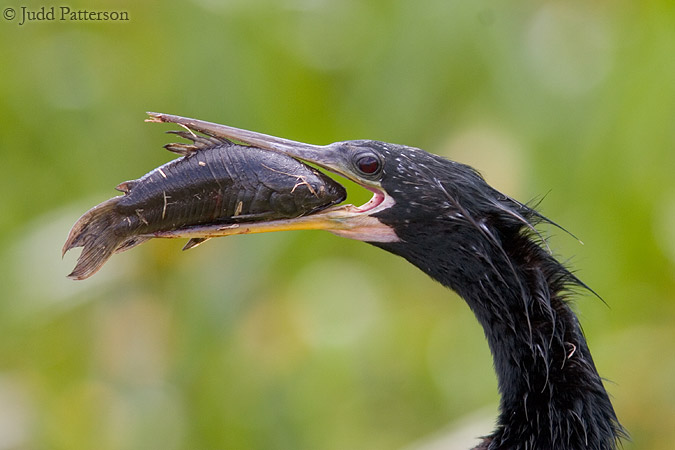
{"points": [[219, 140], [192, 243], [94, 231], [126, 186], [181, 149], [202, 142]]}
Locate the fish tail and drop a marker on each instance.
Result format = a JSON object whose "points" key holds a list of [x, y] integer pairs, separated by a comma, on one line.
{"points": [[95, 232]]}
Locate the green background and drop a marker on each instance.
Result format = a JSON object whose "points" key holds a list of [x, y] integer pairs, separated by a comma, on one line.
{"points": [[303, 340]]}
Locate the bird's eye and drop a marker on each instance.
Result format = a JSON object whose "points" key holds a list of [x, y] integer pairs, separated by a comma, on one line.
{"points": [[368, 164]]}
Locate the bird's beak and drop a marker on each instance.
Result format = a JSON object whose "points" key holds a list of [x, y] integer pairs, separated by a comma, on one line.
{"points": [[344, 220]]}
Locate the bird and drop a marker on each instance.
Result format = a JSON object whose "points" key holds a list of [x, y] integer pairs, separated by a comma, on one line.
{"points": [[444, 218]]}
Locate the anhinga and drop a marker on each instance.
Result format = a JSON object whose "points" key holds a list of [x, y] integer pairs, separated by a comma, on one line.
{"points": [[444, 218]]}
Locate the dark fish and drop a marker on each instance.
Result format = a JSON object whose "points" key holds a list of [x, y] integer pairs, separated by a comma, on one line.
{"points": [[215, 182]]}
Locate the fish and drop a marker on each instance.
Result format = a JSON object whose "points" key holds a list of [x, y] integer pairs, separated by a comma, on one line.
{"points": [[215, 182]]}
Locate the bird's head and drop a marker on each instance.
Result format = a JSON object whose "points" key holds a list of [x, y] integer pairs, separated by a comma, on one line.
{"points": [[420, 200]]}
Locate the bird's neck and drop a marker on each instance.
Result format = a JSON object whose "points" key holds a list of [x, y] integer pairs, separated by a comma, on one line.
{"points": [[551, 394]]}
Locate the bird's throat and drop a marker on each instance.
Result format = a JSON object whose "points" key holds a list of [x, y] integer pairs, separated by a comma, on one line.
{"points": [[551, 394]]}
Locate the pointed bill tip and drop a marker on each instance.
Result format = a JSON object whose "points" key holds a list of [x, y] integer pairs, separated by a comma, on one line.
{"points": [[154, 117]]}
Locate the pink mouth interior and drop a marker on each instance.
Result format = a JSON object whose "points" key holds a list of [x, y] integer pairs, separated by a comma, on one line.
{"points": [[374, 202]]}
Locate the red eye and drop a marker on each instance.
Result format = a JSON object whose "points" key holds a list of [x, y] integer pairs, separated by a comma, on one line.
{"points": [[368, 164]]}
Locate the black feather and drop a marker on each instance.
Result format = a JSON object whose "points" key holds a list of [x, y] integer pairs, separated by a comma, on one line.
{"points": [[486, 247]]}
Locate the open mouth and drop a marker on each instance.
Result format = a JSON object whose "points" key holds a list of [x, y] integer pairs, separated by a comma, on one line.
{"points": [[346, 220], [220, 188], [378, 198]]}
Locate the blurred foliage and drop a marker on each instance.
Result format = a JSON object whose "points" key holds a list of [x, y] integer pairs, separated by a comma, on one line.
{"points": [[305, 340]]}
